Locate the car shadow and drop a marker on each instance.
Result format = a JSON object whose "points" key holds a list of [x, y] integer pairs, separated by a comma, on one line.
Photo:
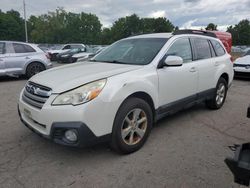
{"points": [[242, 79], [10, 78]]}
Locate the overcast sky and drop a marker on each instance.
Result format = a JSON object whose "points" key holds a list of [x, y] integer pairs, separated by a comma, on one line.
{"points": [[182, 13]]}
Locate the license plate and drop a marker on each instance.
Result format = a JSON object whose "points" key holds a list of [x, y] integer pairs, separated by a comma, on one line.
{"points": [[27, 113]]}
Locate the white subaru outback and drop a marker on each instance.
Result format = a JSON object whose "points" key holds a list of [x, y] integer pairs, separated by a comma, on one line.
{"points": [[121, 92]]}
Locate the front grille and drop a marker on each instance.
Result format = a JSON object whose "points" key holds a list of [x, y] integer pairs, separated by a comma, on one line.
{"points": [[240, 65], [36, 95]]}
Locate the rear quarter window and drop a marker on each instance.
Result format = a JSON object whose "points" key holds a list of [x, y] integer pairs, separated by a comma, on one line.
{"points": [[22, 48], [219, 50]]}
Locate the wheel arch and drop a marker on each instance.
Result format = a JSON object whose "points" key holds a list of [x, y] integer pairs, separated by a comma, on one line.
{"points": [[225, 76], [144, 96]]}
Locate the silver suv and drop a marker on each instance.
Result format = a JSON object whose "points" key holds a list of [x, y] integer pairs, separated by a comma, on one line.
{"points": [[18, 58]]}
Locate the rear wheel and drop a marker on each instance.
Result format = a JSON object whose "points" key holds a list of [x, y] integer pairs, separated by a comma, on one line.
{"points": [[34, 68], [132, 126], [219, 96]]}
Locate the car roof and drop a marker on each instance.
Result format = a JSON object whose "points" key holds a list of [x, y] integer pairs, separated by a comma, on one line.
{"points": [[10, 41], [169, 35], [153, 35]]}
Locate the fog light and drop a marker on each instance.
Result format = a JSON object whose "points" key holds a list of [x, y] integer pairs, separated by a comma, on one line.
{"points": [[71, 135]]}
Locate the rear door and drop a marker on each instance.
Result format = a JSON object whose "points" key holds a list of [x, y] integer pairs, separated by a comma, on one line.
{"points": [[18, 55], [205, 64], [2, 58]]}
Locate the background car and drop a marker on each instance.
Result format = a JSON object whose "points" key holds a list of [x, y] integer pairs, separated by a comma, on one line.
{"points": [[67, 57], [60, 49], [18, 58], [91, 52], [242, 66]]}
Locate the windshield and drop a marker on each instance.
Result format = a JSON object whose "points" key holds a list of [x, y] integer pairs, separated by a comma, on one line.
{"points": [[140, 51]]}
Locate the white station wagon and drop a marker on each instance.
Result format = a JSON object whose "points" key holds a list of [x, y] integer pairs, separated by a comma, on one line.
{"points": [[121, 92]]}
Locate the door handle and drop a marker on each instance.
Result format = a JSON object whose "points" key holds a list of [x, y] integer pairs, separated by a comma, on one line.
{"points": [[193, 69], [216, 63], [27, 57]]}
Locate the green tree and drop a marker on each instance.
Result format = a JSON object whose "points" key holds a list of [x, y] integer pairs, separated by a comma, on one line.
{"points": [[133, 25], [11, 26], [240, 32], [211, 27]]}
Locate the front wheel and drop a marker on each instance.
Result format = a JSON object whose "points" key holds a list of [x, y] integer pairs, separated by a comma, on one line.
{"points": [[132, 126], [219, 97]]}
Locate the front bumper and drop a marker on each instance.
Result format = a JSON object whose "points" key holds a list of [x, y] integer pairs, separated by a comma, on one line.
{"points": [[68, 59], [242, 72], [239, 74], [85, 136]]}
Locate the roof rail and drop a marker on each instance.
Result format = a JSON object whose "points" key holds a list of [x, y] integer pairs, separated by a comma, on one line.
{"points": [[196, 32]]}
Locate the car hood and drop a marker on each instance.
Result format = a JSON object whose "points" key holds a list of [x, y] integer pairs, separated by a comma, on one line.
{"points": [[67, 77], [243, 60]]}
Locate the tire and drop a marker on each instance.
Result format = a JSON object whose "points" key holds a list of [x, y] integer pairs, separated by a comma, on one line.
{"points": [[34, 68], [219, 96], [129, 135]]}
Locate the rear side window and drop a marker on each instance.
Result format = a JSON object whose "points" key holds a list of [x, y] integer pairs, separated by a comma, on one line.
{"points": [[66, 47], [212, 50], [22, 48], [2, 47], [219, 50], [182, 49], [202, 49]]}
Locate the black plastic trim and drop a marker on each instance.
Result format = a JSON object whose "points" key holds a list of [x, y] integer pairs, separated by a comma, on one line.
{"points": [[184, 103], [194, 32]]}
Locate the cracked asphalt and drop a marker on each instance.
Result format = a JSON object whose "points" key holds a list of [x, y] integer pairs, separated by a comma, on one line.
{"points": [[184, 150]]}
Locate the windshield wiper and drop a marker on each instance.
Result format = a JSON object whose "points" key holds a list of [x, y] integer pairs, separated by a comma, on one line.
{"points": [[114, 61]]}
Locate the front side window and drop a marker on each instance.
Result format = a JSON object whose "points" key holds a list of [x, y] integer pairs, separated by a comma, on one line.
{"points": [[219, 50], [181, 48], [139, 51], [2, 47], [22, 48], [202, 48]]}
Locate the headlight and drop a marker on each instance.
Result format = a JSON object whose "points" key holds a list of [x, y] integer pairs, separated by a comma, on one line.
{"points": [[81, 94]]}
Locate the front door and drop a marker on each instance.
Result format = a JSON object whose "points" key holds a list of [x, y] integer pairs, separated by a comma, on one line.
{"points": [[178, 84]]}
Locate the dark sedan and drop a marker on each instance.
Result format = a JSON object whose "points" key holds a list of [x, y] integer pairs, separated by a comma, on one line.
{"points": [[66, 57]]}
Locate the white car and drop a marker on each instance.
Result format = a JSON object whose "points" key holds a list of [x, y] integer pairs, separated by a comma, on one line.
{"points": [[53, 53], [119, 95], [19, 58], [242, 66]]}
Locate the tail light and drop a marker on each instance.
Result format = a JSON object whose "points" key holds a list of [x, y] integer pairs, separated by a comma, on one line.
{"points": [[47, 55]]}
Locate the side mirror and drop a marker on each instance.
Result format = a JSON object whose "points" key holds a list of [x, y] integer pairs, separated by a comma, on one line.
{"points": [[173, 61]]}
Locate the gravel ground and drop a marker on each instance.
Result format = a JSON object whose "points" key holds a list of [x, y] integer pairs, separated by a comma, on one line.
{"points": [[184, 150]]}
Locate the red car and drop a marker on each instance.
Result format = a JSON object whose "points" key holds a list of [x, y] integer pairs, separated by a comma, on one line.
{"points": [[226, 39]]}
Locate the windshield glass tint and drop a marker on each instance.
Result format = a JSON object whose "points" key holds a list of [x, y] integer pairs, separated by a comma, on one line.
{"points": [[140, 51]]}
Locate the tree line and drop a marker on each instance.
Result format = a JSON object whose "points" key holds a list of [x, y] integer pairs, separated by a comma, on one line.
{"points": [[61, 26]]}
